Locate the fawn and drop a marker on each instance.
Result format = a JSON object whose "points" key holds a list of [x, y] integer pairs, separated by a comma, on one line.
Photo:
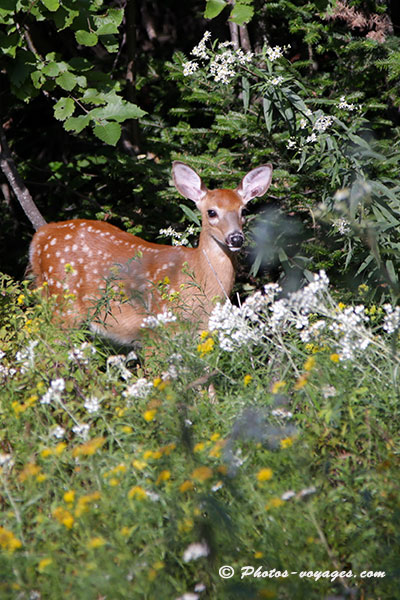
{"points": [[94, 261]]}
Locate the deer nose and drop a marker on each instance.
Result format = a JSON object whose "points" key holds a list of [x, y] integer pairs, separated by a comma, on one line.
{"points": [[235, 239]]}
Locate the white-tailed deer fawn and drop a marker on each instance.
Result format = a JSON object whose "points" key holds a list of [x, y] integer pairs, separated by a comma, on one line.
{"points": [[89, 258]]}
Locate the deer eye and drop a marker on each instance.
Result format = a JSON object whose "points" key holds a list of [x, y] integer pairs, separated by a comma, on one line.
{"points": [[212, 213]]}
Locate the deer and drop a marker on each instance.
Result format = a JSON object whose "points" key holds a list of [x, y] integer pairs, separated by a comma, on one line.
{"points": [[88, 260]]}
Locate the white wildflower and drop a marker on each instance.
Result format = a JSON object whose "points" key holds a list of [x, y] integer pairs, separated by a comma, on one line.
{"points": [[163, 318], [200, 50], [276, 81], [222, 67], [291, 143], [242, 57], [282, 413], [342, 225], [26, 356], [345, 105], [288, 495], [6, 462], [311, 138], [303, 123], [117, 362], [391, 321], [140, 389], [322, 123], [274, 53], [81, 430], [58, 432], [92, 404], [82, 353], [53, 394], [190, 67], [195, 551]]}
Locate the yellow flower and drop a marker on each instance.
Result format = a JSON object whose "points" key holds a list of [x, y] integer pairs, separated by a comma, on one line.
{"points": [[59, 449], [309, 364], [137, 492], [264, 474], [335, 357], [287, 442], [127, 429], [8, 541], [45, 562], [198, 447], [278, 385], [126, 531], [186, 486], [205, 347], [185, 525], [274, 503], [89, 448], [168, 448], [63, 516], [204, 334], [95, 542], [341, 306], [21, 299], [202, 473], [247, 379], [30, 470], [46, 452], [215, 437], [163, 476], [84, 501], [41, 477], [301, 382], [69, 496], [258, 554], [149, 415], [139, 464]]}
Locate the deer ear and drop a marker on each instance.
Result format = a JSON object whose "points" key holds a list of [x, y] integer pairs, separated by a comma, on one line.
{"points": [[187, 182], [255, 183]]}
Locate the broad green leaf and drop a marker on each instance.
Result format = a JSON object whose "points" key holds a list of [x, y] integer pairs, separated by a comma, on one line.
{"points": [[108, 23], [51, 69], [67, 81], [86, 38], [213, 8], [51, 5], [241, 14], [77, 124], [118, 110], [246, 93], [191, 214], [108, 133], [64, 108], [267, 108]]}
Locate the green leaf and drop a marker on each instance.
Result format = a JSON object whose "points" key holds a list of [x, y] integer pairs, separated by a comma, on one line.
{"points": [[213, 8], [191, 214], [246, 93], [108, 133], [51, 5], [108, 23], [241, 14], [64, 108], [118, 110], [86, 38], [51, 69], [67, 81], [77, 124], [267, 108]]}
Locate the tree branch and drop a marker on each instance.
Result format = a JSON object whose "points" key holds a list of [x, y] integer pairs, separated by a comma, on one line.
{"points": [[17, 184]]}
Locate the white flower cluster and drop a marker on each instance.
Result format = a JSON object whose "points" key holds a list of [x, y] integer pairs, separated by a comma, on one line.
{"points": [[222, 62], [117, 363], [345, 105], [81, 430], [92, 404], [274, 53], [140, 389], [195, 551], [322, 123], [163, 318], [342, 225], [6, 371], [53, 394], [58, 432], [310, 311], [26, 356], [391, 321], [81, 354], [179, 238]]}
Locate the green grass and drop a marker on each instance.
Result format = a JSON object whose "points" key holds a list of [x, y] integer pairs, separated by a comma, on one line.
{"points": [[197, 452]]}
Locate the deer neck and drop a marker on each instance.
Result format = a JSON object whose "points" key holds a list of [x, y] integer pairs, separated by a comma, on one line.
{"points": [[216, 266]]}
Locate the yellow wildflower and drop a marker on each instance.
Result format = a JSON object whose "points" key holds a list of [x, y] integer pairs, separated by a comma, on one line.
{"points": [[59, 449], [287, 442], [157, 381], [163, 476], [215, 437], [198, 447], [30, 470], [45, 562], [126, 531], [205, 347], [202, 473], [278, 385], [95, 542], [69, 496], [247, 379], [335, 357], [309, 364], [301, 382], [168, 448], [258, 554], [137, 492], [185, 525], [139, 464], [264, 474], [8, 541], [186, 486], [149, 415], [89, 448], [127, 429], [84, 501], [274, 503], [63, 516]]}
